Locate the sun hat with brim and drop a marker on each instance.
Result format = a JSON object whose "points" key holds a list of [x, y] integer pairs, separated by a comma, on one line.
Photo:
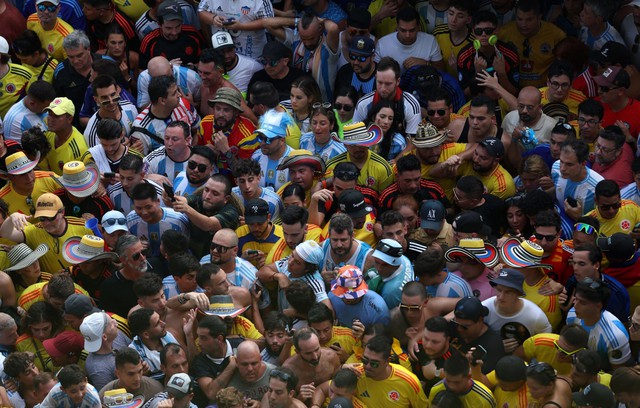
{"points": [[476, 249], [76, 250], [230, 96], [359, 134], [525, 254], [298, 157], [79, 179], [120, 398], [428, 136], [222, 306], [18, 163], [349, 284], [21, 256]]}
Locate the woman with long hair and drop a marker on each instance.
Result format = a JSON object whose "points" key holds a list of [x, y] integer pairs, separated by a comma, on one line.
{"points": [[345, 106], [41, 322], [320, 140], [532, 169], [546, 388], [304, 93], [127, 60], [293, 194], [392, 143]]}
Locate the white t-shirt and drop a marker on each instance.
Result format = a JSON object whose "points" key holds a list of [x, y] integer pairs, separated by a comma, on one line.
{"points": [[530, 318], [425, 47], [542, 128], [241, 74]]}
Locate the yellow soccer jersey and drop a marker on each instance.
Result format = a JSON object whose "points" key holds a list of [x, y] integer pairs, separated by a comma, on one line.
{"points": [[132, 8], [499, 182], [44, 73], [344, 337], [53, 260], [72, 149], [375, 174], [51, 39], [448, 48], [479, 396], [574, 99], [355, 401], [281, 250], [627, 217], [536, 53], [509, 399], [542, 348], [389, 24], [44, 183], [44, 277], [448, 150], [247, 241], [401, 389], [396, 352], [549, 304], [13, 87], [245, 328], [364, 234], [33, 294]]}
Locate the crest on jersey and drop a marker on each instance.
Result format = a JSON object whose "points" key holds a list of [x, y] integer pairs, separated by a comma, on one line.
{"points": [[10, 88], [393, 395], [245, 10], [50, 48]]}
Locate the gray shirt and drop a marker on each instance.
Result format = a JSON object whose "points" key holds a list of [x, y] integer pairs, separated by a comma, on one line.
{"points": [[148, 388], [254, 390], [100, 369]]}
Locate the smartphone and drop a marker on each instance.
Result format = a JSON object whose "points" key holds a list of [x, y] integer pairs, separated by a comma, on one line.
{"points": [[109, 174], [572, 202], [169, 190], [252, 252], [229, 21], [478, 353]]}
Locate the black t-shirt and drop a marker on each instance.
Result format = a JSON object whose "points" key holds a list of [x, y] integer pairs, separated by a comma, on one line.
{"points": [[439, 362], [187, 47], [98, 206], [492, 342], [282, 85], [201, 240], [493, 213], [98, 32], [117, 294]]}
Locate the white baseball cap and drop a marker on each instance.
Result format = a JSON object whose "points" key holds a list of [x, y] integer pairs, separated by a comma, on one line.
{"points": [[92, 329], [113, 221], [4, 46]]}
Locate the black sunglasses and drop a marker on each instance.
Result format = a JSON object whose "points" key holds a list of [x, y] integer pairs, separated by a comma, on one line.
{"points": [[486, 30], [220, 248], [114, 221], [432, 112], [136, 256], [548, 238], [346, 175], [285, 377], [607, 207], [193, 165], [344, 107]]}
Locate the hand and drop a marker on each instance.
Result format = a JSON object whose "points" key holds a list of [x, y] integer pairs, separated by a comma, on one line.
{"points": [[429, 370], [201, 300], [473, 362], [146, 370], [306, 391], [328, 275], [221, 142], [10, 385], [88, 216], [354, 367], [546, 183], [550, 288], [180, 205], [517, 133], [322, 195], [573, 212], [413, 348], [124, 68], [187, 322], [256, 292], [175, 61], [452, 161], [357, 329], [452, 60], [479, 63], [342, 354], [136, 144], [251, 403], [19, 220], [625, 130], [145, 243], [283, 281], [563, 296], [100, 192], [499, 64], [486, 79], [158, 178], [510, 345], [413, 61], [167, 403], [389, 8]]}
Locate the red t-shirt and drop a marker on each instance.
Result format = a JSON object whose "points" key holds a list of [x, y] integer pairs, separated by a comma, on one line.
{"points": [[630, 116], [559, 259]]}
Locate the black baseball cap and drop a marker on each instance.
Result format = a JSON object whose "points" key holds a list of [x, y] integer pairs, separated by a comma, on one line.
{"points": [[256, 210], [470, 308]]}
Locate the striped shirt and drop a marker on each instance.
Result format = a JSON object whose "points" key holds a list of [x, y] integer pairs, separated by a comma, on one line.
{"points": [[454, 287], [313, 279], [412, 116], [146, 24], [72, 149], [121, 200], [595, 43], [268, 195], [19, 119], [321, 63], [629, 192], [608, 337], [183, 187], [270, 176], [51, 40], [326, 152], [358, 258], [431, 16], [479, 396], [158, 162], [129, 113], [243, 275], [171, 289], [242, 139], [248, 241], [187, 79], [57, 398], [14, 87], [171, 220], [281, 250], [152, 357], [376, 172]]}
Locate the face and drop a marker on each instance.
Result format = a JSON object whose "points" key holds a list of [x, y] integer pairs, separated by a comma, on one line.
{"points": [[482, 161], [302, 175], [299, 100], [372, 359], [384, 119], [480, 120], [360, 67], [555, 142], [195, 176], [458, 384], [587, 17], [59, 123], [529, 107], [468, 329], [457, 19], [408, 181], [346, 112], [277, 393], [429, 155], [223, 251], [487, 31], [187, 282], [111, 147], [547, 245], [173, 97], [309, 350], [395, 231], [26, 377], [292, 200], [135, 251], [52, 226], [410, 217], [32, 60], [73, 321], [47, 16], [277, 70], [24, 181], [209, 73], [608, 207], [434, 343], [321, 127], [9, 336], [148, 209], [585, 308], [407, 31], [506, 296], [325, 332], [259, 229], [341, 242], [386, 83], [439, 113], [275, 340], [559, 87], [171, 29], [208, 344], [248, 365], [41, 331], [175, 142], [130, 376], [274, 147], [116, 44], [130, 179], [213, 197], [294, 234], [229, 55], [310, 36], [79, 58], [358, 153], [176, 363], [31, 273], [249, 185], [538, 390], [588, 126], [570, 167], [528, 23], [76, 392], [516, 219], [606, 151]]}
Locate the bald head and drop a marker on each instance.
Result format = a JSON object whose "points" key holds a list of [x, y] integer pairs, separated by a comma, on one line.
{"points": [[159, 66], [529, 105], [226, 236], [530, 93], [247, 348]]}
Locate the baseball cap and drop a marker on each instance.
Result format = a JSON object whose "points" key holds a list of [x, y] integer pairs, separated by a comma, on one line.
{"points": [[79, 305], [60, 106], [613, 76], [595, 395], [351, 202], [54, 2], [587, 362], [48, 205], [179, 385], [275, 50], [612, 52], [222, 40], [470, 222], [114, 221], [389, 251], [92, 328], [619, 246], [470, 308], [510, 278], [362, 45], [494, 147], [256, 210], [64, 344], [274, 124], [432, 214], [169, 10], [4, 45], [340, 402]]}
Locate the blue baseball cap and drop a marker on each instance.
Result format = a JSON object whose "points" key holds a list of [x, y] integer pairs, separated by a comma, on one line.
{"points": [[274, 124]]}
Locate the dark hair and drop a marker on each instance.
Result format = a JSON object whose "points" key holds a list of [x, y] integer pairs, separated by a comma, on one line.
{"points": [[101, 82], [575, 335], [511, 368], [484, 100], [182, 264], [204, 274], [215, 325], [209, 55], [579, 147], [438, 324], [329, 113], [309, 87], [409, 162], [159, 87], [391, 217], [561, 129], [298, 295], [595, 291], [414, 288], [264, 93], [149, 284], [548, 218], [447, 399], [294, 189], [387, 140], [541, 372], [170, 349], [221, 178], [607, 188], [61, 286], [27, 43], [284, 372], [34, 140], [17, 362], [275, 320], [535, 202], [349, 91], [439, 94], [131, 162], [614, 134], [307, 18], [430, 262], [591, 107], [635, 166], [127, 355], [528, 5], [593, 221], [303, 334], [98, 3], [595, 254], [204, 152], [186, 132], [174, 242], [485, 16], [624, 379], [345, 378], [408, 14], [107, 66], [294, 214], [456, 365], [109, 129], [41, 91], [246, 167], [467, 6], [560, 67], [144, 191], [380, 344], [140, 320], [41, 312], [388, 63], [319, 313], [472, 187]]}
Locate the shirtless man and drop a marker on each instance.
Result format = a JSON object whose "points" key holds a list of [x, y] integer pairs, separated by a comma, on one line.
{"points": [[313, 364], [213, 280]]}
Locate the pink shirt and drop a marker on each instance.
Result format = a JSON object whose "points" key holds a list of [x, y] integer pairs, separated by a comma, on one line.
{"points": [[481, 287]]}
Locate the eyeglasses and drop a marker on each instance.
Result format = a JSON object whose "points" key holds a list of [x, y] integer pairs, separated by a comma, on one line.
{"points": [[526, 48], [112, 99], [29, 202], [605, 89], [285, 377], [114, 221], [462, 326], [586, 228], [440, 112], [271, 62], [556, 85], [346, 175], [136, 257], [565, 352], [193, 165], [372, 363], [50, 9], [410, 307], [266, 140], [361, 58], [547, 238], [591, 122], [486, 30], [607, 207], [344, 107], [220, 248], [326, 105], [603, 149]]}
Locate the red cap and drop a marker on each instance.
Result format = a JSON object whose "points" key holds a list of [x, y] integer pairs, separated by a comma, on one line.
{"points": [[65, 343]]}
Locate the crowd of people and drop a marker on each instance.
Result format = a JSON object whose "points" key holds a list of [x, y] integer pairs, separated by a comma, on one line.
{"points": [[319, 203]]}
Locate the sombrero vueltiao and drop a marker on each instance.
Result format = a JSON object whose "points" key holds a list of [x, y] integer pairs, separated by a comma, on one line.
{"points": [[120, 398], [222, 306], [474, 248], [79, 179], [359, 134], [525, 254], [76, 250], [21, 256], [301, 156]]}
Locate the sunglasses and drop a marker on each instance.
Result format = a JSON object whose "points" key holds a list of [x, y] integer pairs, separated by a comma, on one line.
{"points": [[462, 326], [372, 363], [326, 105], [266, 140], [193, 165], [112, 99], [346, 108], [285, 377], [410, 307], [592, 283], [486, 30], [271, 63], [605, 89], [49, 219], [586, 228], [137, 256], [220, 248], [607, 207], [547, 238], [361, 58], [440, 112], [563, 125], [347, 175], [114, 221], [565, 352], [50, 9]]}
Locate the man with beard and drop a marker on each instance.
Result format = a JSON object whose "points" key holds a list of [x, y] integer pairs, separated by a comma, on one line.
{"points": [[613, 213], [208, 211], [259, 234], [274, 129], [149, 220], [252, 374], [353, 204], [171, 158], [230, 135], [469, 196], [295, 230], [312, 363], [278, 341], [199, 168], [613, 156], [480, 124], [213, 280], [109, 150], [341, 248], [239, 68], [360, 72]]}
